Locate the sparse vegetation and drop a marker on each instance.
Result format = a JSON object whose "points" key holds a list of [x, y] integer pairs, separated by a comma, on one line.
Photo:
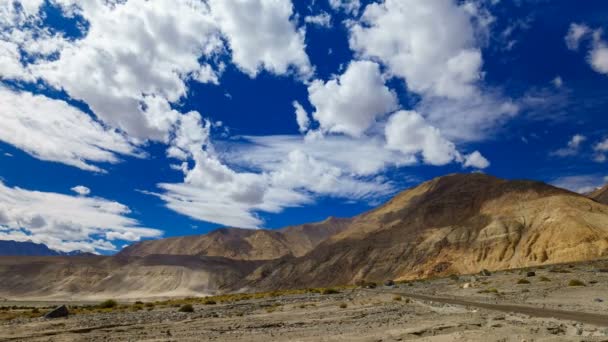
{"points": [[209, 302], [543, 278], [490, 290], [108, 304], [329, 291], [186, 308], [397, 298], [343, 305], [576, 282], [523, 282]]}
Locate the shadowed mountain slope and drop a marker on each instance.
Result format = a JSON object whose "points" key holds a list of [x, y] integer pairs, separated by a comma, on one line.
{"points": [[600, 195], [244, 244]]}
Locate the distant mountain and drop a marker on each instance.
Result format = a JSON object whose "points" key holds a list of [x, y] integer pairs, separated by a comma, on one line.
{"points": [[456, 224], [244, 244], [28, 248], [15, 248], [600, 195]]}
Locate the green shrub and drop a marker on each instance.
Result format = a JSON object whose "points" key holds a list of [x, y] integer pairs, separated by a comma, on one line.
{"points": [[523, 281], [108, 304], [139, 302], [209, 302], [186, 308], [576, 282]]}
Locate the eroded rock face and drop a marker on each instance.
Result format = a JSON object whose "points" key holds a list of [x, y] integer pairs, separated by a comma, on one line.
{"points": [[453, 224], [58, 312]]}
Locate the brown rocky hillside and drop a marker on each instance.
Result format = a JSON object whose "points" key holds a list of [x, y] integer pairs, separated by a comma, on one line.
{"points": [[452, 224], [244, 244]]}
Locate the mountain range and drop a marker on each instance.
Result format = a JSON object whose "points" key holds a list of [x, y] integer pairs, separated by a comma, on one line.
{"points": [[455, 224]]}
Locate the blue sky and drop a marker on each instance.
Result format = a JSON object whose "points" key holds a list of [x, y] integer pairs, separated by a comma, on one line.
{"points": [[130, 120]]}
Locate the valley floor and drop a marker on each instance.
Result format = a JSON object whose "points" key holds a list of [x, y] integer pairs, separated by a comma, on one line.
{"points": [[409, 311]]}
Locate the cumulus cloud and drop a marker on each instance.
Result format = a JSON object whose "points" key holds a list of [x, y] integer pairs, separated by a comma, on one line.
{"points": [[136, 55], [431, 44], [597, 56], [408, 132], [350, 103], [476, 160], [81, 190], [66, 222], [38, 125], [261, 35]]}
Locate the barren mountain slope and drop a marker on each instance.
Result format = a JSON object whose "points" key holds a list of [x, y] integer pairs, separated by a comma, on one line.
{"points": [[600, 195], [244, 244], [95, 278], [452, 224]]}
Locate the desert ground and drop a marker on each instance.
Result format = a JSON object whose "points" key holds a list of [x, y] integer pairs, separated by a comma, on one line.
{"points": [[556, 303]]}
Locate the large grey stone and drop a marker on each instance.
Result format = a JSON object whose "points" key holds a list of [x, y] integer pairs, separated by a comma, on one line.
{"points": [[58, 312]]}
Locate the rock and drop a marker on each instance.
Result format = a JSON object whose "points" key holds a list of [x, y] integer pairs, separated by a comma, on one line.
{"points": [[389, 283], [58, 312], [531, 274], [466, 285], [598, 300], [473, 279], [485, 273]]}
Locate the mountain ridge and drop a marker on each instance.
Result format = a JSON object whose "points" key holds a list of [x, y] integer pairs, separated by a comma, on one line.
{"points": [[455, 224]]}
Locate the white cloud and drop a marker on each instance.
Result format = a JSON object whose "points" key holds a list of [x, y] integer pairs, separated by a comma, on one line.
{"points": [[136, 56], [601, 148], [580, 183], [470, 119], [261, 35], [301, 117], [350, 103], [597, 56], [575, 34], [38, 125], [322, 19], [348, 6], [572, 148], [81, 190], [366, 156], [408, 132], [66, 222], [476, 160], [431, 44]]}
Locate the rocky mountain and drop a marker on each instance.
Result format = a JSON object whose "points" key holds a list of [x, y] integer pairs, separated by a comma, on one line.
{"points": [[244, 244], [449, 225], [28, 248], [453, 224], [8, 247], [600, 195]]}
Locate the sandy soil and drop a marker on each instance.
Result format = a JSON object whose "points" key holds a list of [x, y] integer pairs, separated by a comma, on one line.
{"points": [[470, 308]]}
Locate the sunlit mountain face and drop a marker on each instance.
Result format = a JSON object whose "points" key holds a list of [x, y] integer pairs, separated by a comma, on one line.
{"points": [[122, 121]]}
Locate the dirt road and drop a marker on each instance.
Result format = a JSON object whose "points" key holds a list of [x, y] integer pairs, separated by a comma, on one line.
{"points": [[583, 317]]}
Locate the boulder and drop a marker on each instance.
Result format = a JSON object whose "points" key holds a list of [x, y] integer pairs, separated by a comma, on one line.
{"points": [[389, 283], [466, 285], [58, 312], [485, 273], [531, 274]]}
